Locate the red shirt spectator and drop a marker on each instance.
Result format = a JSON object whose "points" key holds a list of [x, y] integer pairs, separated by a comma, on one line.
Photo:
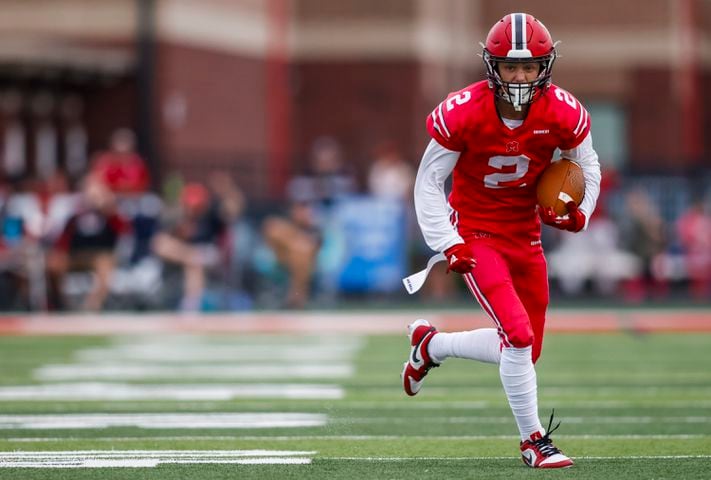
{"points": [[121, 168], [96, 225]]}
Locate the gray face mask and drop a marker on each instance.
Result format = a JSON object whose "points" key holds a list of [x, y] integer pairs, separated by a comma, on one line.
{"points": [[518, 94]]}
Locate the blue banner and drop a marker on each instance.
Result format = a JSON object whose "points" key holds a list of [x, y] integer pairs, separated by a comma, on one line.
{"points": [[373, 232]]}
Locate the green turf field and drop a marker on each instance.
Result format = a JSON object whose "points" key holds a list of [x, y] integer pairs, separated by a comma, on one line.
{"points": [[176, 407]]}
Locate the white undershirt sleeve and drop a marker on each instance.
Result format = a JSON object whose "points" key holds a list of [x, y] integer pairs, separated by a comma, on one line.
{"points": [[585, 156], [430, 199]]}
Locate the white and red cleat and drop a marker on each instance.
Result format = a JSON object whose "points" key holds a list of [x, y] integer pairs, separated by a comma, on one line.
{"points": [[419, 363], [538, 451]]}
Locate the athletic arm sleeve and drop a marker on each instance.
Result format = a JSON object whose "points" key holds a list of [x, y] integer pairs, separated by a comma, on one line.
{"points": [[585, 156], [430, 200]]}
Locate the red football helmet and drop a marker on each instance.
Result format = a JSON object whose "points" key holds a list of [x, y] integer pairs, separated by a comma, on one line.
{"points": [[519, 37]]}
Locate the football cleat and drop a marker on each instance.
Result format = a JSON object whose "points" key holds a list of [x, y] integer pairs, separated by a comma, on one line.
{"points": [[419, 363], [538, 451]]}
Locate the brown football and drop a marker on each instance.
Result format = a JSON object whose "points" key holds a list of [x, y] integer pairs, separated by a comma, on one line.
{"points": [[561, 182]]}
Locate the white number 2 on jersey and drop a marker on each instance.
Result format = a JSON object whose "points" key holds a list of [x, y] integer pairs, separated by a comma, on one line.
{"points": [[564, 96], [459, 99], [494, 180]]}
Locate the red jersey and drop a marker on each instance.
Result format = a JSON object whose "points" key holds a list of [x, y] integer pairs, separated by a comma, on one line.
{"points": [[494, 181], [122, 172]]}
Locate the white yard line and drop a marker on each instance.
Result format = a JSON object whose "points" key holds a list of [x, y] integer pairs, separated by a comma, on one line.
{"points": [[189, 353], [119, 391], [238, 340], [149, 459], [156, 453], [162, 420], [147, 371]]}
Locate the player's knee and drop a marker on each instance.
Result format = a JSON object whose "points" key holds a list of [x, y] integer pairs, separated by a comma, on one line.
{"points": [[521, 337]]}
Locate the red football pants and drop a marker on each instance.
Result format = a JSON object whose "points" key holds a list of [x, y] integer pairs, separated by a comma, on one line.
{"points": [[510, 282]]}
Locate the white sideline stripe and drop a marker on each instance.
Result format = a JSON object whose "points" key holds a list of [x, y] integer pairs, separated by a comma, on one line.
{"points": [[145, 371], [148, 459], [288, 438], [119, 391], [161, 420]]}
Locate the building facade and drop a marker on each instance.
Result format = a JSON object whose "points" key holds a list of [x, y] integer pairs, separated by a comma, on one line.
{"points": [[247, 85]]}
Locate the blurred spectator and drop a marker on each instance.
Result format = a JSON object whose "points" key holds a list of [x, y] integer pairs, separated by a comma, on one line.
{"points": [[193, 237], [121, 168], [297, 237], [88, 242], [594, 257], [35, 217], [390, 175], [326, 179], [295, 241], [43, 207], [12, 285], [694, 230], [643, 233]]}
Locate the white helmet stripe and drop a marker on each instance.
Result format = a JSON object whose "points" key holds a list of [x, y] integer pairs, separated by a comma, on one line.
{"points": [[518, 31]]}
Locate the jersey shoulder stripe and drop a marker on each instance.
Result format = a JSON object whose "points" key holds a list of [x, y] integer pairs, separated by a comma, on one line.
{"points": [[571, 117], [582, 121], [439, 122], [452, 117], [435, 122]]}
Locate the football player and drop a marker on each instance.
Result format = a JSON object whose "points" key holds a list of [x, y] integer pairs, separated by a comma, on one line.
{"points": [[495, 137]]}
